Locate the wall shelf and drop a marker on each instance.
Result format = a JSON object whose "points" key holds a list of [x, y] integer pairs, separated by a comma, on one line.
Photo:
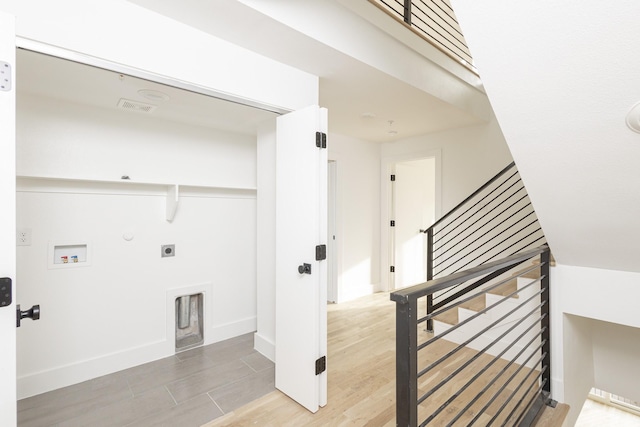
{"points": [[172, 192]]}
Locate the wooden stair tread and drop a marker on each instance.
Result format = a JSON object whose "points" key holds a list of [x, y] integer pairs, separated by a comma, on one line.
{"points": [[476, 304], [506, 289], [450, 317], [553, 417]]}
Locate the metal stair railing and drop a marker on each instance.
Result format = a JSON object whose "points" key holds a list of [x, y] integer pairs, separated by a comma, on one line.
{"points": [[500, 372], [495, 221]]}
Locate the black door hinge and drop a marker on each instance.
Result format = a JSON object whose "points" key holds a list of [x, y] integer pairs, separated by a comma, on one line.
{"points": [[393, 177], [393, 223], [321, 252], [321, 140], [5, 292], [321, 365], [393, 269]]}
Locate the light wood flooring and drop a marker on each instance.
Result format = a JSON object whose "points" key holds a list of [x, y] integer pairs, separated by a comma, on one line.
{"points": [[595, 414], [361, 376]]}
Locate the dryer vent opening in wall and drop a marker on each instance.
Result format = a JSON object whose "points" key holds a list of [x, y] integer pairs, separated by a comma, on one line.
{"points": [[189, 321], [140, 107]]}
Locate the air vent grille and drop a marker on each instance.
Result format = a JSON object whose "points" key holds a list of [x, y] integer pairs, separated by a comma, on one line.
{"points": [[140, 107]]}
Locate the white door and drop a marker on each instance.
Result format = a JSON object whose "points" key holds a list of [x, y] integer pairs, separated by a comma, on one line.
{"points": [[7, 221], [301, 225], [332, 231], [414, 209]]}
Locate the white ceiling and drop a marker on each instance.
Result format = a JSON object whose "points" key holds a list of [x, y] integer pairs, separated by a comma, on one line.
{"points": [[348, 87], [56, 78]]}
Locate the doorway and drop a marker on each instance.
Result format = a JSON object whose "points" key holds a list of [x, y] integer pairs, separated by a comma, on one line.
{"points": [[413, 195], [99, 177]]}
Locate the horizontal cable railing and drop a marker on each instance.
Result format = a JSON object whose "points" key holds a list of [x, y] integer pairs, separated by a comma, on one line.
{"points": [[491, 366], [433, 20], [495, 221]]}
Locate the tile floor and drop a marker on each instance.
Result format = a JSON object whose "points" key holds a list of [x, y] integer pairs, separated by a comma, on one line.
{"points": [[188, 389]]}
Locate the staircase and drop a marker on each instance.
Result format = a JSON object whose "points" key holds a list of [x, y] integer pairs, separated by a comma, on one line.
{"points": [[473, 342], [521, 286]]}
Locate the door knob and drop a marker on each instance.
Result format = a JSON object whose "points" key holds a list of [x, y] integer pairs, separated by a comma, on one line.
{"points": [[304, 269], [33, 313]]}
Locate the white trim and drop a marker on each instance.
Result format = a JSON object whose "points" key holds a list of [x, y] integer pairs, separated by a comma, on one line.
{"points": [[387, 167], [73, 373], [264, 346], [232, 329], [82, 58], [206, 289]]}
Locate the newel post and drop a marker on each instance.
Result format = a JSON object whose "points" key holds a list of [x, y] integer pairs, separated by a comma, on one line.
{"points": [[406, 362]]}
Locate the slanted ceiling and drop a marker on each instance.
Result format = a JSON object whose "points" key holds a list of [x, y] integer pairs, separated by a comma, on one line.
{"points": [[561, 76]]}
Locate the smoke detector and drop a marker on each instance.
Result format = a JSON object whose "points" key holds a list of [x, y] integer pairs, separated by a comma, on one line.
{"points": [[140, 107]]}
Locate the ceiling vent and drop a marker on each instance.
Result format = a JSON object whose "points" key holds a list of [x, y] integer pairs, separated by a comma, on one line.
{"points": [[140, 107]]}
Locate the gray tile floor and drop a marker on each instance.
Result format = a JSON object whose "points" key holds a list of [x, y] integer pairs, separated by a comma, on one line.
{"points": [[188, 389]]}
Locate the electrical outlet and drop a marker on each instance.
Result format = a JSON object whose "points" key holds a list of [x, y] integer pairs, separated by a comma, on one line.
{"points": [[23, 237]]}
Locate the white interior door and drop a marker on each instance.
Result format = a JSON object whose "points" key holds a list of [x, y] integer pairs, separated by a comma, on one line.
{"points": [[7, 221], [332, 231], [414, 209], [301, 225]]}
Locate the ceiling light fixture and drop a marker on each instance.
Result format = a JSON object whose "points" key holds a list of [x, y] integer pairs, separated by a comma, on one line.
{"points": [[391, 132]]}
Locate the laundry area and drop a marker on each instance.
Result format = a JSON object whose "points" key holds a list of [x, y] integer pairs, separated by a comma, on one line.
{"points": [[137, 206]]}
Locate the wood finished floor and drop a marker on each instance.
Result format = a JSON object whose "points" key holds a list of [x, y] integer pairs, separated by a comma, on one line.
{"points": [[361, 377], [595, 414], [361, 374], [210, 384], [188, 389]]}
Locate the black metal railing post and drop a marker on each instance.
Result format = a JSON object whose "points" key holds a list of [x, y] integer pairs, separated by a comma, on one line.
{"points": [[545, 260], [429, 276], [406, 363], [407, 11]]}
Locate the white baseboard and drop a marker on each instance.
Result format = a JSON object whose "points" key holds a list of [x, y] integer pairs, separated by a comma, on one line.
{"points": [[232, 329], [41, 382], [354, 292], [265, 346]]}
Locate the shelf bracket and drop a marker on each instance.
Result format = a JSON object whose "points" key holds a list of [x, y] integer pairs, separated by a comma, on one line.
{"points": [[173, 196]]}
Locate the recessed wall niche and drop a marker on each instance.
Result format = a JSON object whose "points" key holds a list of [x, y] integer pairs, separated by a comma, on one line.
{"points": [[69, 254]]}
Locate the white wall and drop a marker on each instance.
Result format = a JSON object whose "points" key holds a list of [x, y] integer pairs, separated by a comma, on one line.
{"points": [[564, 117], [425, 69], [265, 337], [615, 358], [595, 324], [465, 159], [577, 366], [125, 33], [116, 312], [358, 215]]}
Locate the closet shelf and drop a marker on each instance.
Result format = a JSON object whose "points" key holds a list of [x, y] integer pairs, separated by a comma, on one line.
{"points": [[123, 183], [172, 192]]}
